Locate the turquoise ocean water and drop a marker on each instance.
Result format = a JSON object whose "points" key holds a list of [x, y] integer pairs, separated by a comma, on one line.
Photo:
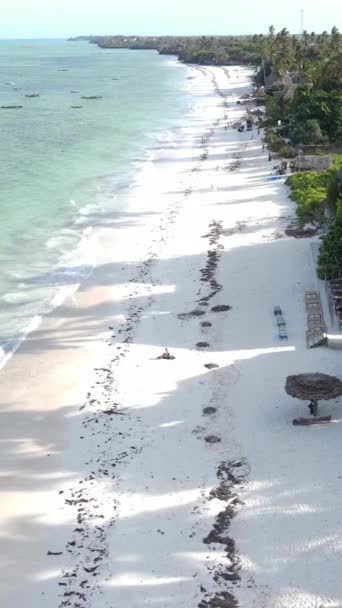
{"points": [[58, 164]]}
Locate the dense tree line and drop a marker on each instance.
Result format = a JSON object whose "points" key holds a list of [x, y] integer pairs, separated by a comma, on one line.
{"points": [[204, 50], [303, 78]]}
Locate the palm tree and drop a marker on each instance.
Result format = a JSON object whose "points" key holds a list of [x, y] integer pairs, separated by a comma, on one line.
{"points": [[283, 57], [265, 52], [335, 38], [333, 67], [305, 39], [271, 32], [323, 39]]}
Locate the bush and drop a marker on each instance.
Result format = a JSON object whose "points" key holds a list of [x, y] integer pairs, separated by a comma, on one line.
{"points": [[308, 190], [330, 254], [337, 162], [338, 214], [332, 192], [281, 148], [276, 143], [307, 132]]}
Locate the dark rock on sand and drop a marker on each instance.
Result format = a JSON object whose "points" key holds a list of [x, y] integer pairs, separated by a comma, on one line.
{"points": [[212, 439], [209, 410], [189, 315], [221, 308], [220, 600]]}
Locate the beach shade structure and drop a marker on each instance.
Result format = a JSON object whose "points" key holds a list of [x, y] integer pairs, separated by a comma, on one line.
{"points": [[313, 387]]}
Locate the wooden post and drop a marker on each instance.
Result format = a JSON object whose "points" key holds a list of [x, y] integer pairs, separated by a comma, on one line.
{"points": [[315, 407]]}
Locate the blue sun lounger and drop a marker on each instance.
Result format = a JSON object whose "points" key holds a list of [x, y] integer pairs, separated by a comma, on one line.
{"points": [[281, 323]]}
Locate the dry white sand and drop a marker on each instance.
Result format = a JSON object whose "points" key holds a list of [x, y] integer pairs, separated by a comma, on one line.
{"points": [[127, 499]]}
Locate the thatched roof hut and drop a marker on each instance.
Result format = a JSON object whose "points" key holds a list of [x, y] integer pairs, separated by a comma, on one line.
{"points": [[313, 387]]}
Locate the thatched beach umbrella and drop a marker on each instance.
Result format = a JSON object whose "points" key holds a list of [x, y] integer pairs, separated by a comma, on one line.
{"points": [[313, 387]]}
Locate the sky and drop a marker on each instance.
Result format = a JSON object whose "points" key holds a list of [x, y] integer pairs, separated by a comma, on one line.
{"points": [[44, 19]]}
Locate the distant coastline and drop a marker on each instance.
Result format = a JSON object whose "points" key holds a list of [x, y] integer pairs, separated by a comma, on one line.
{"points": [[202, 50]]}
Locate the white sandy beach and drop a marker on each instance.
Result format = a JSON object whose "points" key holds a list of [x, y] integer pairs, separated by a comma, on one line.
{"points": [[107, 458]]}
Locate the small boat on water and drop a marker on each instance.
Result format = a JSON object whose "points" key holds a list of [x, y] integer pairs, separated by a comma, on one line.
{"points": [[10, 107], [32, 95], [76, 107], [74, 91], [91, 97]]}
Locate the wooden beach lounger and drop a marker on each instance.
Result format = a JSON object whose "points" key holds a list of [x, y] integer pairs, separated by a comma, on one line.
{"points": [[313, 307], [315, 321], [311, 293]]}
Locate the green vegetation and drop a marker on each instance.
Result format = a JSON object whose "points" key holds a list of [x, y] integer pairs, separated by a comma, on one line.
{"points": [[302, 78], [308, 190], [303, 81], [276, 143], [330, 254], [307, 132], [315, 191], [203, 50]]}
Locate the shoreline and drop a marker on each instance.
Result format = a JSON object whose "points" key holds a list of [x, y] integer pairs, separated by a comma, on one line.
{"points": [[156, 482], [61, 253]]}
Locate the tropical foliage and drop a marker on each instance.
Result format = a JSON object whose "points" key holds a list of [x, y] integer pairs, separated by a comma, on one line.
{"points": [[308, 190], [204, 50], [315, 192], [303, 78]]}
